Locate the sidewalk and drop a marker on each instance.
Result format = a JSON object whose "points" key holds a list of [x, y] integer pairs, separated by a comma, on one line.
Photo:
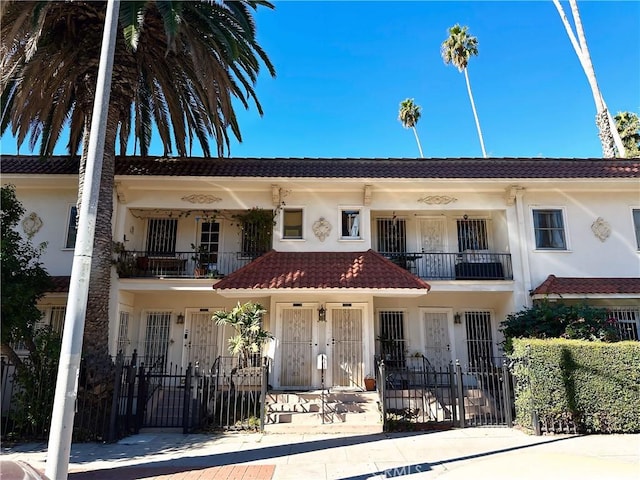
{"points": [[473, 453]]}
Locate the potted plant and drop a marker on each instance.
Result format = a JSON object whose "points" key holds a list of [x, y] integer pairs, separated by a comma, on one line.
{"points": [[200, 259], [369, 383], [250, 337]]}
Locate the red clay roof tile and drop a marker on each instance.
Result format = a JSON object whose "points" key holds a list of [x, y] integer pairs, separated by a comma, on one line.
{"points": [[311, 270], [589, 285], [505, 168]]}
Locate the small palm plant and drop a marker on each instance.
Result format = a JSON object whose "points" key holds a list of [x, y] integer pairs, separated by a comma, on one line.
{"points": [[246, 320]]}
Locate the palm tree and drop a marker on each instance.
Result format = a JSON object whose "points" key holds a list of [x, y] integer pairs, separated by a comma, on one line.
{"points": [[177, 65], [458, 48], [607, 131], [628, 126], [409, 115]]}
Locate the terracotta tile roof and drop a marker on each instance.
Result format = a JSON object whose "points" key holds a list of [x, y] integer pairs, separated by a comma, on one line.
{"points": [[324, 270], [504, 168], [60, 284], [590, 285]]}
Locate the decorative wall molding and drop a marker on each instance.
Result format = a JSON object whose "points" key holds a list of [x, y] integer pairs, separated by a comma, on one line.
{"points": [[122, 197], [512, 193], [31, 224], [321, 228], [367, 195], [601, 229], [438, 199], [201, 198], [278, 194]]}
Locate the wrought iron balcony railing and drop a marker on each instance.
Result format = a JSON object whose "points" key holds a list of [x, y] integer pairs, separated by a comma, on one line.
{"points": [[140, 264], [455, 266]]}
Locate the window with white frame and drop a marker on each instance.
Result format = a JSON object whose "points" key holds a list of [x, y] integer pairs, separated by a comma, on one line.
{"points": [[628, 322], [549, 231], [636, 225], [350, 223], [72, 228], [292, 223], [209, 243]]}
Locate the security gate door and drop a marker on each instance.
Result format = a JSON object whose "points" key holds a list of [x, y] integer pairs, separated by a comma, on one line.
{"points": [[202, 340], [346, 347], [297, 347], [436, 327]]}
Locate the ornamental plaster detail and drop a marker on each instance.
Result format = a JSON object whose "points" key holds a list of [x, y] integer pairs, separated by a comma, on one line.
{"points": [[201, 198], [31, 224], [601, 229], [438, 199], [321, 228]]}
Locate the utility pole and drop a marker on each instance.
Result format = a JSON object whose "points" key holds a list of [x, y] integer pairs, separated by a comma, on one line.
{"points": [[64, 404]]}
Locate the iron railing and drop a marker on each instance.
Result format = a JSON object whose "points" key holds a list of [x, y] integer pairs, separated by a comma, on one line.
{"points": [[455, 266], [140, 264], [418, 393]]}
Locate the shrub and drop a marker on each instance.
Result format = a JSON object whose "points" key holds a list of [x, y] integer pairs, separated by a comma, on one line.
{"points": [[594, 385], [556, 320]]}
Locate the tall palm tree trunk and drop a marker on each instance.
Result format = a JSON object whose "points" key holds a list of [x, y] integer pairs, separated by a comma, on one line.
{"points": [[475, 114], [607, 130], [418, 141]]}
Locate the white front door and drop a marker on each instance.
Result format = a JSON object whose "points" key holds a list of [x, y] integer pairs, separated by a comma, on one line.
{"points": [[202, 340], [345, 336], [298, 344], [437, 343]]}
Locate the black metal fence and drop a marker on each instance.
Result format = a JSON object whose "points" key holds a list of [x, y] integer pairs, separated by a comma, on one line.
{"points": [[418, 395], [26, 405], [224, 397], [455, 266]]}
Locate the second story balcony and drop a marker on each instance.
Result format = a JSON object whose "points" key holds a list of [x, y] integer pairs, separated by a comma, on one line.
{"points": [[455, 266]]}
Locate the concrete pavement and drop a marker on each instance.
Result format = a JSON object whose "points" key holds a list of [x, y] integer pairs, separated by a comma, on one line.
{"points": [[472, 453]]}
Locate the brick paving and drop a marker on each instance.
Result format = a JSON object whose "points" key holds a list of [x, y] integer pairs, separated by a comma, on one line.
{"points": [[226, 472]]}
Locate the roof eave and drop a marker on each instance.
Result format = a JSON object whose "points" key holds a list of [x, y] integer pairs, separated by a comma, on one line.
{"points": [[377, 292]]}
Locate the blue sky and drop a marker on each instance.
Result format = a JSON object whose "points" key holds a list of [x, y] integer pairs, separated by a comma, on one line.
{"points": [[344, 67]]}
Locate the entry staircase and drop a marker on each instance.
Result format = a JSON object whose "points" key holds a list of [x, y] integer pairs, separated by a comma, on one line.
{"points": [[323, 412]]}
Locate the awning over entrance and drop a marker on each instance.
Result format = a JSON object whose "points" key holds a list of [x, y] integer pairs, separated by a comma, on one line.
{"points": [[362, 272], [591, 287]]}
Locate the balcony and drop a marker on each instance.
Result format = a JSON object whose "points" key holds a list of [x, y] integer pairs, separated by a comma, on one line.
{"points": [[143, 264], [455, 266]]}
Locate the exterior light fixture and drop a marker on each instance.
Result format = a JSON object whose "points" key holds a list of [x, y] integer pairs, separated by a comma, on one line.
{"points": [[180, 319], [322, 314], [457, 318]]}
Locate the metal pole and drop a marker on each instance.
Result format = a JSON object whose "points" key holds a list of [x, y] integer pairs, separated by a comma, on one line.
{"points": [[59, 447]]}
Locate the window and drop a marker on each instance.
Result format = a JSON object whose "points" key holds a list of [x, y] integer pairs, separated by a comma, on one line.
{"points": [[123, 334], [292, 223], [548, 226], [392, 235], [636, 225], [156, 340], [350, 221], [628, 322], [72, 228], [479, 338], [472, 234], [391, 338], [209, 242], [161, 237]]}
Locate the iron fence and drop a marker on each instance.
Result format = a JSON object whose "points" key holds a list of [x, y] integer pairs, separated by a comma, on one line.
{"points": [[420, 395], [455, 266], [26, 403]]}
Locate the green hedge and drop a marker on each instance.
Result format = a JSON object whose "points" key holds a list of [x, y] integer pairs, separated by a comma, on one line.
{"points": [[595, 385]]}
